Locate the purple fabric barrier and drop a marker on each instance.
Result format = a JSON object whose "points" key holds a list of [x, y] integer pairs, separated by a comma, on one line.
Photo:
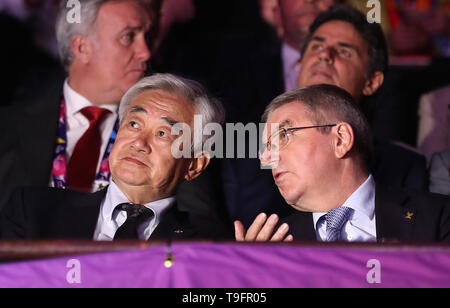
{"points": [[200, 265]]}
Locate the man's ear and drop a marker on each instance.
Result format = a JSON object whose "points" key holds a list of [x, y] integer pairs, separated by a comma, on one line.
{"points": [[82, 48], [345, 139], [198, 165], [373, 84]]}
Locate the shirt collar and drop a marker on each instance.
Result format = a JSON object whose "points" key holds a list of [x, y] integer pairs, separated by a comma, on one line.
{"points": [[360, 201], [75, 102], [291, 56], [115, 196]]}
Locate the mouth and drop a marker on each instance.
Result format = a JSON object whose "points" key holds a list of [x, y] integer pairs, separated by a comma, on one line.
{"points": [[278, 176], [322, 72], [306, 13], [140, 69], [134, 161]]}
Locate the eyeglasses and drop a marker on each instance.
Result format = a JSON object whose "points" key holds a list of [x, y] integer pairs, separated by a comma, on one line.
{"points": [[281, 139]]}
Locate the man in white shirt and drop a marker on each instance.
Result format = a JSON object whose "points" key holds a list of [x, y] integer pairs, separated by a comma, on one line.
{"points": [[140, 203], [69, 123]]}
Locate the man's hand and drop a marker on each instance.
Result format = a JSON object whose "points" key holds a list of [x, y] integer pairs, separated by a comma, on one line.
{"points": [[262, 230]]}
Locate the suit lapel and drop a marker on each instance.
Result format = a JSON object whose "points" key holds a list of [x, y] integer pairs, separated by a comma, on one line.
{"points": [[79, 214], [301, 226], [394, 219], [174, 225]]}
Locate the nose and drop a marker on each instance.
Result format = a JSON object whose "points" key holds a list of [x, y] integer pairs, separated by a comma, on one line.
{"points": [[327, 54], [270, 159], [142, 49], [141, 145]]}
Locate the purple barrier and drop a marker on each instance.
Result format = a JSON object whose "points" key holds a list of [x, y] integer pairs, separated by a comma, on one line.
{"points": [[201, 265]]}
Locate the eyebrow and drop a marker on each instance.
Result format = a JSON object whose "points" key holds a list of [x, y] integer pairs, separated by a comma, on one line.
{"points": [[342, 44], [138, 109], [318, 38], [285, 123], [169, 121], [134, 29]]}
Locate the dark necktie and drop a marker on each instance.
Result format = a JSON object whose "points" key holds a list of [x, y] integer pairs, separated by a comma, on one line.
{"points": [[136, 214], [82, 167]]}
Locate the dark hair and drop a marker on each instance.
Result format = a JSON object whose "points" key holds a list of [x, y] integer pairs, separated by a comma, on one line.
{"points": [[371, 33], [326, 104]]}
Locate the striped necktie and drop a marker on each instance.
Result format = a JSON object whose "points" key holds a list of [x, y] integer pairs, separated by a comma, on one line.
{"points": [[336, 219]]}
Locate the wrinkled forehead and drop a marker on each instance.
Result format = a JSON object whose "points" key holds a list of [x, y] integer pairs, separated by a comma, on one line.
{"points": [[292, 113], [289, 115], [162, 104], [340, 32]]}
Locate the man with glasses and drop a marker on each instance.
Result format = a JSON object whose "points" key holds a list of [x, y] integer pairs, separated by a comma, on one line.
{"points": [[320, 156]]}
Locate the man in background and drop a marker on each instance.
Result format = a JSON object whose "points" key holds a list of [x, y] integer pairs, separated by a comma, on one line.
{"points": [[61, 132], [343, 49]]}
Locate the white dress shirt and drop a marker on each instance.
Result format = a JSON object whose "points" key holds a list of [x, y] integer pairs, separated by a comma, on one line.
{"points": [[361, 225], [291, 67], [109, 220], [78, 124]]}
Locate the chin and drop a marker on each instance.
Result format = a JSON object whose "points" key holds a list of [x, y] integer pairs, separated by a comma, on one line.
{"points": [[288, 197], [131, 177], [291, 197], [131, 181], [321, 79]]}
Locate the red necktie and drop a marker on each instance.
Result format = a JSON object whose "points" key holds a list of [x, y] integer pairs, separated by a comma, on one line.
{"points": [[82, 167]]}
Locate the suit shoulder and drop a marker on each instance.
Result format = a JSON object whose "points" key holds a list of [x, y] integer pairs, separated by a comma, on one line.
{"points": [[416, 198], [42, 197], [397, 151]]}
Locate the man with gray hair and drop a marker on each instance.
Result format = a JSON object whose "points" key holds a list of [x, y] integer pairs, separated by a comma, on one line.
{"points": [[69, 120], [320, 158], [140, 202]]}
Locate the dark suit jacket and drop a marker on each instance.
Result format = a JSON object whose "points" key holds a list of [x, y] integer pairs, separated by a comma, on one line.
{"points": [[19, 57], [47, 213], [28, 135], [28, 132], [429, 222]]}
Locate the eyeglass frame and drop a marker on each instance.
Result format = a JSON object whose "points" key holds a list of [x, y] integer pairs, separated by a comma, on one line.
{"points": [[286, 130]]}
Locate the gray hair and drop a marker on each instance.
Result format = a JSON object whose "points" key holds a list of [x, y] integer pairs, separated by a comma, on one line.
{"points": [[65, 30], [326, 104], [211, 110]]}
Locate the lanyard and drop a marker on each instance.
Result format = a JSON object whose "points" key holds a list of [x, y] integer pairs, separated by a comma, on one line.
{"points": [[59, 169]]}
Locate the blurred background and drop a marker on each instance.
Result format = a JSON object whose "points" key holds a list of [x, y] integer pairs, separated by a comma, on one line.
{"points": [[218, 42]]}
